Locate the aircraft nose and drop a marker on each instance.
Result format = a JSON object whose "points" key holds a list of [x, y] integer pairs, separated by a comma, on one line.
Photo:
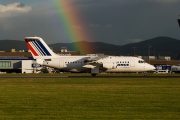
{"points": [[150, 67]]}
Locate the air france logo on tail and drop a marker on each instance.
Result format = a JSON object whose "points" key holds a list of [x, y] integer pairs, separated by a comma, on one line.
{"points": [[37, 48]]}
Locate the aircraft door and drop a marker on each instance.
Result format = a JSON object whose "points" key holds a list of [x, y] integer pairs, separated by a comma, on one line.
{"points": [[114, 66], [144, 66], [109, 65], [132, 63], [61, 64]]}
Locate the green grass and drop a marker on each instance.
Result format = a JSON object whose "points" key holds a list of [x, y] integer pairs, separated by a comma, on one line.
{"points": [[82, 99]]}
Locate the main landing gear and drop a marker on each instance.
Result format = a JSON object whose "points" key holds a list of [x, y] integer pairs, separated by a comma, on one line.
{"points": [[145, 74], [93, 74]]}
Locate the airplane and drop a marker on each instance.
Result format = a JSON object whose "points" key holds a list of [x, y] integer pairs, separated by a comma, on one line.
{"points": [[91, 64]]}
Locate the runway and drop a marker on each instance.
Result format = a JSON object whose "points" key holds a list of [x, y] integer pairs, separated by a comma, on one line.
{"points": [[89, 77]]}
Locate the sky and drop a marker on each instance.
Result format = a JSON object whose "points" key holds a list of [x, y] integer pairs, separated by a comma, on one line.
{"points": [[116, 22]]}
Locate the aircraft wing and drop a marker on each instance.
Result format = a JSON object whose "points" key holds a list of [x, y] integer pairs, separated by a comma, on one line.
{"points": [[92, 62], [94, 59]]}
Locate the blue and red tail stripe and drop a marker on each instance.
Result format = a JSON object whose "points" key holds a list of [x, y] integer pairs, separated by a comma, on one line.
{"points": [[37, 48], [43, 48], [32, 50]]}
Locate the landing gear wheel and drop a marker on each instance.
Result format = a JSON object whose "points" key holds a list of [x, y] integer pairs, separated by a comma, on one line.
{"points": [[145, 74], [93, 74]]}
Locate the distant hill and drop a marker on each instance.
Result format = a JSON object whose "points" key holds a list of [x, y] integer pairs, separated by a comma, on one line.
{"points": [[99, 47], [160, 46]]}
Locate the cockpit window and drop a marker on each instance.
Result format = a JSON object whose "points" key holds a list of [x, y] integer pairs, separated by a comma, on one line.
{"points": [[141, 61]]}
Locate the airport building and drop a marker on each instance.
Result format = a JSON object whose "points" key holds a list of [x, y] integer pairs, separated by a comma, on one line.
{"points": [[14, 61], [17, 65]]}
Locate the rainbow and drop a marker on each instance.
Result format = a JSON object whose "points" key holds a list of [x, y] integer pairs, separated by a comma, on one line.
{"points": [[73, 25]]}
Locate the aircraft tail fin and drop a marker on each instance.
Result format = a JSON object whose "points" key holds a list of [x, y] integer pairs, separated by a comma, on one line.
{"points": [[39, 49]]}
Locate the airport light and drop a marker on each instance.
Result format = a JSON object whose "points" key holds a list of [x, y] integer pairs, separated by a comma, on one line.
{"points": [[149, 52]]}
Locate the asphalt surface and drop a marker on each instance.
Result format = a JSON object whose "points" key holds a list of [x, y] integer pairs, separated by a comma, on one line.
{"points": [[89, 77]]}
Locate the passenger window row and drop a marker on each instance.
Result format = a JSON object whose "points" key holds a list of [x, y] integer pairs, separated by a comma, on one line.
{"points": [[74, 62], [122, 64]]}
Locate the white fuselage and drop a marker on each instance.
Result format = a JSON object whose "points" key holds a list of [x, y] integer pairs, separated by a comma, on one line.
{"points": [[93, 64], [68, 63], [109, 64]]}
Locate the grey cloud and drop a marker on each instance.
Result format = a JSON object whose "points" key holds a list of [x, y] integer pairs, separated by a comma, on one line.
{"points": [[166, 1], [94, 25], [20, 5], [108, 26], [131, 19], [111, 21], [13, 9]]}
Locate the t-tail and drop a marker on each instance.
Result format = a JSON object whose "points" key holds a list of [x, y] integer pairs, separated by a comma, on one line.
{"points": [[39, 49]]}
